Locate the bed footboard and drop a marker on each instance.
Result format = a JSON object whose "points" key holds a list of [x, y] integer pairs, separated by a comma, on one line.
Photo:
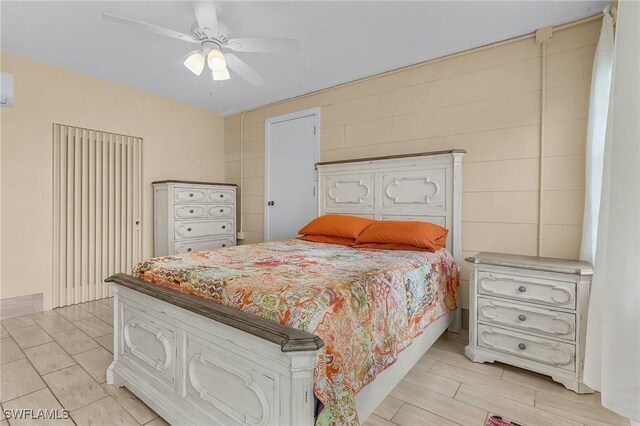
{"points": [[195, 362]]}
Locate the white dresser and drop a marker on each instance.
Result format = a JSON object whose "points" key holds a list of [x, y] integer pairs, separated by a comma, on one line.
{"points": [[530, 312], [193, 216]]}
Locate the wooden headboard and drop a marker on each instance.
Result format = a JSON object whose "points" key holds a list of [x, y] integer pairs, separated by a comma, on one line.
{"points": [[425, 187]]}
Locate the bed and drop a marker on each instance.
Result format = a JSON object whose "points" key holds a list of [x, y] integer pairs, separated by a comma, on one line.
{"points": [[235, 336]]}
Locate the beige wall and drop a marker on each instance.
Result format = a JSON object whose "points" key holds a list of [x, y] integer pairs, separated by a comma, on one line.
{"points": [[487, 102], [179, 142]]}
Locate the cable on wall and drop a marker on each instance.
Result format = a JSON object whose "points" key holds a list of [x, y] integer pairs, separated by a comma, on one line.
{"points": [[543, 36], [240, 235]]}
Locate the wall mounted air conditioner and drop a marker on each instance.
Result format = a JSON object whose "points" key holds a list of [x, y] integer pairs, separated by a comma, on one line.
{"points": [[6, 89]]}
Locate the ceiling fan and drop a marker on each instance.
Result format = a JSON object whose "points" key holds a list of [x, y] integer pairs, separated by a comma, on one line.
{"points": [[207, 32]]}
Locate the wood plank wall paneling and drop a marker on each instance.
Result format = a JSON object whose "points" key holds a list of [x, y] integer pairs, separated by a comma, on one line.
{"points": [[487, 102]]}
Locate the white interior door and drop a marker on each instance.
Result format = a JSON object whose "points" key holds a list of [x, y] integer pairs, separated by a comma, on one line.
{"points": [[290, 175]]}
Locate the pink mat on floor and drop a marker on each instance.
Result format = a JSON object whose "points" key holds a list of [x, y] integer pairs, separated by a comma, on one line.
{"points": [[500, 421]]}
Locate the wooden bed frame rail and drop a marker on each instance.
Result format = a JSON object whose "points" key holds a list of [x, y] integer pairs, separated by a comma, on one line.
{"points": [[290, 339]]}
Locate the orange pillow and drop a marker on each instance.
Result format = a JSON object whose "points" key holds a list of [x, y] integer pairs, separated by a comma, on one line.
{"points": [[385, 246], [336, 225], [423, 235], [329, 239]]}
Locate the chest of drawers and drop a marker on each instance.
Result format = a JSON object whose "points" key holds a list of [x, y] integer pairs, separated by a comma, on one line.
{"points": [[193, 216], [530, 312]]}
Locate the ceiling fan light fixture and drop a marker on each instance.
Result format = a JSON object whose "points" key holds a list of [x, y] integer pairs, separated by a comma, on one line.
{"points": [[221, 75], [195, 63], [216, 61]]}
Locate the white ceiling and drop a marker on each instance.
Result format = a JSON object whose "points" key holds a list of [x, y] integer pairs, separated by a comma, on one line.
{"points": [[340, 41]]}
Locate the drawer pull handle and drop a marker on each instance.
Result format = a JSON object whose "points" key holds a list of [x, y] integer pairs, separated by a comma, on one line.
{"points": [[191, 195], [191, 211], [189, 249], [522, 346], [521, 317], [223, 226], [221, 210], [221, 195], [224, 245], [188, 229], [522, 289]]}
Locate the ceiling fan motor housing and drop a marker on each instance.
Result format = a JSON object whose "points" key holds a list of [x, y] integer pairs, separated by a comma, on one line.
{"points": [[206, 34]]}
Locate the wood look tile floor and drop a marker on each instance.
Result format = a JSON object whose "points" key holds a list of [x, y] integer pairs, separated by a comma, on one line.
{"points": [[445, 388], [57, 359]]}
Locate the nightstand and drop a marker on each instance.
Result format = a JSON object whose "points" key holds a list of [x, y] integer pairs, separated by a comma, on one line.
{"points": [[530, 312]]}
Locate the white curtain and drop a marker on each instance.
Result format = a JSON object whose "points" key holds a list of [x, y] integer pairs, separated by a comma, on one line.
{"points": [[596, 129], [612, 361]]}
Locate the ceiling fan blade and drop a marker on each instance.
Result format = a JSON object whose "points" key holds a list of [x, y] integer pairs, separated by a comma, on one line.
{"points": [[149, 27], [247, 73], [206, 14], [263, 45]]}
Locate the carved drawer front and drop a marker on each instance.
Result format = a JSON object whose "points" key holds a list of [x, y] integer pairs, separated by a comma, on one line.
{"points": [[219, 196], [357, 214], [220, 211], [203, 229], [226, 389], [189, 211], [419, 190], [348, 192], [189, 195], [528, 289], [151, 345], [527, 318], [438, 220], [182, 247], [537, 349]]}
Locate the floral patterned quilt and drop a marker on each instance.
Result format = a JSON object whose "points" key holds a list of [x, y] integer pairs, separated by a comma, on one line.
{"points": [[366, 305]]}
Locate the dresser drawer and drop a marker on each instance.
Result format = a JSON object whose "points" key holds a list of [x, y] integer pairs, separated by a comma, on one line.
{"points": [[537, 349], [528, 289], [190, 195], [220, 196], [527, 318], [219, 211], [188, 211], [212, 228], [182, 247]]}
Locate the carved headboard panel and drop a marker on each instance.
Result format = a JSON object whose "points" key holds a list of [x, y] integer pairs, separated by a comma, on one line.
{"points": [[425, 187]]}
